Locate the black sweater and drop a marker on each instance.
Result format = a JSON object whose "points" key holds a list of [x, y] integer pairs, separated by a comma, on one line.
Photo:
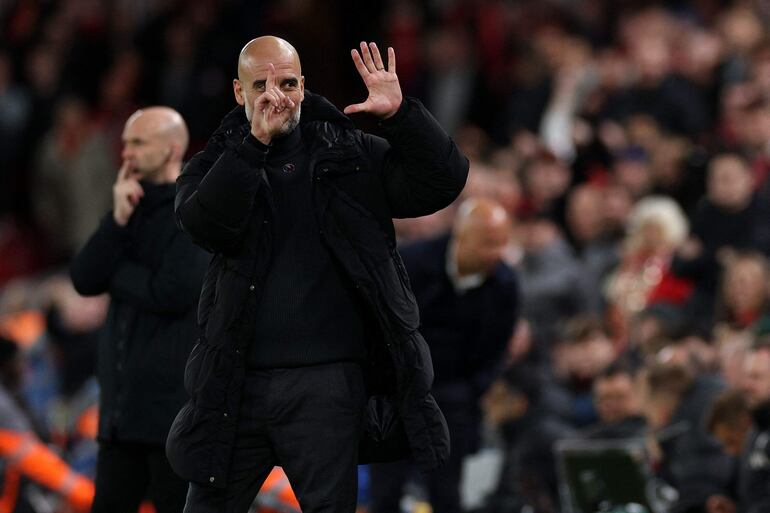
{"points": [[308, 313]]}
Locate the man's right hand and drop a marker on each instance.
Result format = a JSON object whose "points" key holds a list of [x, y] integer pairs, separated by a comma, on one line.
{"points": [[271, 110], [126, 194]]}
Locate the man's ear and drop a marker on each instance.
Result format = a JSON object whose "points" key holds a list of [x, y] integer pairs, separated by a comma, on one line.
{"points": [[174, 153], [302, 88], [238, 90]]}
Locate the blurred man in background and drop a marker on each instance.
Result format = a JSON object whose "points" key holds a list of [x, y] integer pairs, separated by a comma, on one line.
{"points": [[618, 404], [690, 459], [754, 473], [468, 299], [153, 275], [517, 406]]}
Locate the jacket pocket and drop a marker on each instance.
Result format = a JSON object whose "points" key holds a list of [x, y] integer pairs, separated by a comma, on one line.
{"points": [[192, 447], [384, 438]]}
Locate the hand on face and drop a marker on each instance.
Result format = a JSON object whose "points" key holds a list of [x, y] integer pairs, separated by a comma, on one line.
{"points": [[126, 194], [384, 90], [272, 109]]}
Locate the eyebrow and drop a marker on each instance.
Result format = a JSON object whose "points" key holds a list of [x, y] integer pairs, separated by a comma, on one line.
{"points": [[258, 83]]}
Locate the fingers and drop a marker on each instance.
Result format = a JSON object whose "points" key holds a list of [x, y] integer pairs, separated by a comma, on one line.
{"points": [[376, 56], [370, 60], [274, 98], [135, 194], [358, 107], [284, 102], [124, 172], [359, 63], [366, 54], [270, 81], [391, 60]]}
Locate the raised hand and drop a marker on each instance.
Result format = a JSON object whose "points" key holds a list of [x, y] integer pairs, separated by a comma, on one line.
{"points": [[384, 90], [126, 194], [271, 109]]}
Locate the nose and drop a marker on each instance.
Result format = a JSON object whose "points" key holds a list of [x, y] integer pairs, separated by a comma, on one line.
{"points": [[126, 153]]}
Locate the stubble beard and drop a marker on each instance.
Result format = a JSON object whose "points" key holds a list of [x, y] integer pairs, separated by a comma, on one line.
{"points": [[290, 124], [287, 127]]}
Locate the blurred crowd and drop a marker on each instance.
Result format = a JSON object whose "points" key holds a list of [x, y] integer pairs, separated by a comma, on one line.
{"points": [[629, 143]]}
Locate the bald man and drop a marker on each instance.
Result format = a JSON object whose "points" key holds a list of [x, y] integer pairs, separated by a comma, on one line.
{"points": [[153, 275], [310, 356], [468, 300]]}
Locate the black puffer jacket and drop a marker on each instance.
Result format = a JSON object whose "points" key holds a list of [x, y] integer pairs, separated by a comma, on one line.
{"points": [[360, 183]]}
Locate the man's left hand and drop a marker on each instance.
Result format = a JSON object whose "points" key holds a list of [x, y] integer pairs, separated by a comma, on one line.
{"points": [[384, 90]]}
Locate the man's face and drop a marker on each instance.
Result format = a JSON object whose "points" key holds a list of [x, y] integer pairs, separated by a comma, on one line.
{"points": [[745, 285], [591, 356], [733, 438], [145, 150], [288, 77], [615, 398], [482, 247], [729, 183], [756, 378]]}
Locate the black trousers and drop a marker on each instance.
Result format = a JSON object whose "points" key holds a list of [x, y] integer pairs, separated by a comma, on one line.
{"points": [[308, 421], [128, 472]]}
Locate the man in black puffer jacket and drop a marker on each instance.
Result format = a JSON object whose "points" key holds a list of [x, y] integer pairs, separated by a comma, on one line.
{"points": [[309, 355]]}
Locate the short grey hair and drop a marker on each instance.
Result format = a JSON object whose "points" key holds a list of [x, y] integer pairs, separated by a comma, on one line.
{"points": [[661, 210]]}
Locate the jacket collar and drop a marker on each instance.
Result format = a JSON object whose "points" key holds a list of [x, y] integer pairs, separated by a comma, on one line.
{"points": [[156, 194], [317, 108]]}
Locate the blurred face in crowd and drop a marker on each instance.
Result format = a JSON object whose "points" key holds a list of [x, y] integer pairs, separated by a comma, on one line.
{"points": [[252, 76], [537, 234], [733, 349], [589, 357], [745, 285], [741, 29], [153, 138], [729, 182], [733, 437], [616, 398], [653, 56], [756, 380], [547, 179], [652, 237], [481, 236], [635, 175], [585, 214], [617, 205]]}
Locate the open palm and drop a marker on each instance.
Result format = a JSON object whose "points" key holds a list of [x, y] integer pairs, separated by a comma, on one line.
{"points": [[384, 90]]}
